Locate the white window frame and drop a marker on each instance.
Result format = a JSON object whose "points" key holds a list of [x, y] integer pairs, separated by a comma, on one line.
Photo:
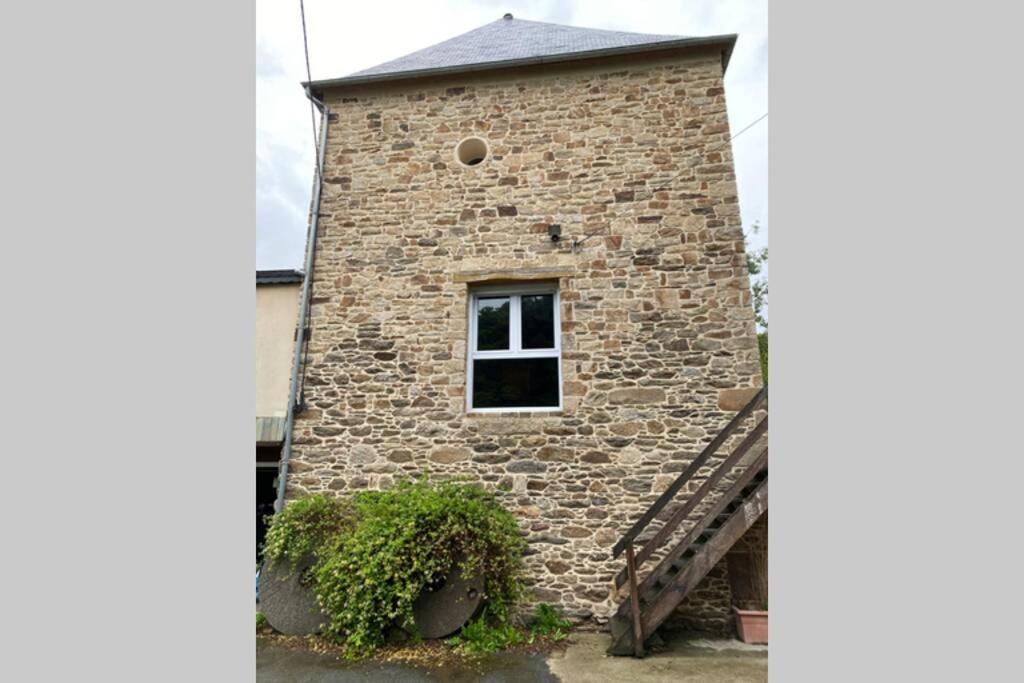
{"points": [[515, 350]]}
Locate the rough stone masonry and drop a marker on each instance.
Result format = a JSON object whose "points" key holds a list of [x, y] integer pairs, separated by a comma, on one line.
{"points": [[630, 158]]}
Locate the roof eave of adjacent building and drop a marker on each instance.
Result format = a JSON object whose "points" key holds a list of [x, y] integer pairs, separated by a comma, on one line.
{"points": [[726, 41], [278, 277]]}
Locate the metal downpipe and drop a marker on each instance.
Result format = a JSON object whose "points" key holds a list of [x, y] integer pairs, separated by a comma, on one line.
{"points": [[307, 285]]}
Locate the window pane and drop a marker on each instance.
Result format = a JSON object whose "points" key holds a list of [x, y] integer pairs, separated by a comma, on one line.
{"points": [[538, 321], [515, 383], [492, 323]]}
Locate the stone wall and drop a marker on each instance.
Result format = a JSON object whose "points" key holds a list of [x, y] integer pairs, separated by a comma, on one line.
{"points": [[708, 608], [658, 338]]}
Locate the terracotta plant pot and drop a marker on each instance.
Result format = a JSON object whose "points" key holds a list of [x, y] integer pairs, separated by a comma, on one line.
{"points": [[752, 625]]}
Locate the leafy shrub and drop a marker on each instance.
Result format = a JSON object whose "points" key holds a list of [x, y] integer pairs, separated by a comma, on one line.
{"points": [[305, 526], [378, 551], [261, 622]]}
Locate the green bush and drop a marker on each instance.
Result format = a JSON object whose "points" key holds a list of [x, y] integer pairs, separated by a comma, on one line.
{"points": [[261, 622], [305, 526], [378, 551]]}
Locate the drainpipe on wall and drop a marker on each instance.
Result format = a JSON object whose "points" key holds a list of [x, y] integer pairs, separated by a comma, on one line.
{"points": [[307, 285]]}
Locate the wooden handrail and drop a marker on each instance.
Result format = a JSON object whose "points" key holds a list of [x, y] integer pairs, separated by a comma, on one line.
{"points": [[697, 463], [686, 508]]}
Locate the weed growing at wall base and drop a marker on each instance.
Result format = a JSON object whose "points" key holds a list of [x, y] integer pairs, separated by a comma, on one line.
{"points": [[548, 622], [488, 634]]}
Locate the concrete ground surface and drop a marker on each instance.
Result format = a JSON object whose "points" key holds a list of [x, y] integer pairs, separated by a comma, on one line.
{"points": [[583, 661], [680, 661]]}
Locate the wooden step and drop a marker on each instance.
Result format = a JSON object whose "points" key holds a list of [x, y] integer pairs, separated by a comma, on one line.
{"points": [[705, 536], [679, 562], [663, 580]]}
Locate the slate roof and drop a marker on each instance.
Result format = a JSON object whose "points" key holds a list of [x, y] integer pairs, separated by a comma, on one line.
{"points": [[507, 39], [513, 42]]}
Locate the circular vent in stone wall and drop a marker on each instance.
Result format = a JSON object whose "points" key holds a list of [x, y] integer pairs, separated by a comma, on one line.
{"points": [[471, 151]]}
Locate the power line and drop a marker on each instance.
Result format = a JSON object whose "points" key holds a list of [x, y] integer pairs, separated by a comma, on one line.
{"points": [[309, 79], [714, 147]]}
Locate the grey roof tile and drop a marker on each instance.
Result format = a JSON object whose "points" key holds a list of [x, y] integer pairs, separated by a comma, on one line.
{"points": [[512, 39]]}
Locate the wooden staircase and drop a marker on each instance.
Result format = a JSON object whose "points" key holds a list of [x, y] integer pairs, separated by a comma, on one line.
{"points": [[727, 517]]}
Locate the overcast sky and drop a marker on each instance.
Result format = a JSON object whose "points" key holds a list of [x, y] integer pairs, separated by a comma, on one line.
{"points": [[348, 36]]}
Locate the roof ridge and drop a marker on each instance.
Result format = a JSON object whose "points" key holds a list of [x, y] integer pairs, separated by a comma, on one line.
{"points": [[590, 28]]}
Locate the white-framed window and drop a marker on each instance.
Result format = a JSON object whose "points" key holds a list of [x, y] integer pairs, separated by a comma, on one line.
{"points": [[515, 349]]}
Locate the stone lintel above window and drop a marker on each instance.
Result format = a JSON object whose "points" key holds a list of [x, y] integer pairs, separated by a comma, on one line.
{"points": [[514, 274]]}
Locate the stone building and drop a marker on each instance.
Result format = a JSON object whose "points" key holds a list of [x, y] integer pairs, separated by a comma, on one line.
{"points": [[530, 270]]}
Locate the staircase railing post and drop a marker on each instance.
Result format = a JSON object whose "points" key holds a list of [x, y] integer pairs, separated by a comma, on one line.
{"points": [[634, 600]]}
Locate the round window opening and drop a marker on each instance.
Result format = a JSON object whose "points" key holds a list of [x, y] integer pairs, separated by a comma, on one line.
{"points": [[471, 151]]}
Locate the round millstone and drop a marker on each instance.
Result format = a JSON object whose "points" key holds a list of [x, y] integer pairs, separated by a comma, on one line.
{"points": [[287, 601], [444, 610]]}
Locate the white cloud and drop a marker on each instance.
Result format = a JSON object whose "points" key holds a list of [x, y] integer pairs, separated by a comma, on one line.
{"points": [[345, 37]]}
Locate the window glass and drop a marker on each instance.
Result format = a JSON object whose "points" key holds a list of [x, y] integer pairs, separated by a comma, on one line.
{"points": [[515, 383], [538, 314], [492, 323]]}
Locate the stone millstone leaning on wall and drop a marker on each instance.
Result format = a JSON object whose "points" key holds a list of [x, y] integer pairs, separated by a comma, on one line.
{"points": [[658, 342]]}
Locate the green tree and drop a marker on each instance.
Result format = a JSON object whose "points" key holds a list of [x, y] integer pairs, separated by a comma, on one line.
{"points": [[756, 260], [762, 345]]}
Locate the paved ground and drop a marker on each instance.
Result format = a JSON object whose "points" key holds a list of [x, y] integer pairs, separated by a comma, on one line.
{"points": [[681, 661], [583, 661]]}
